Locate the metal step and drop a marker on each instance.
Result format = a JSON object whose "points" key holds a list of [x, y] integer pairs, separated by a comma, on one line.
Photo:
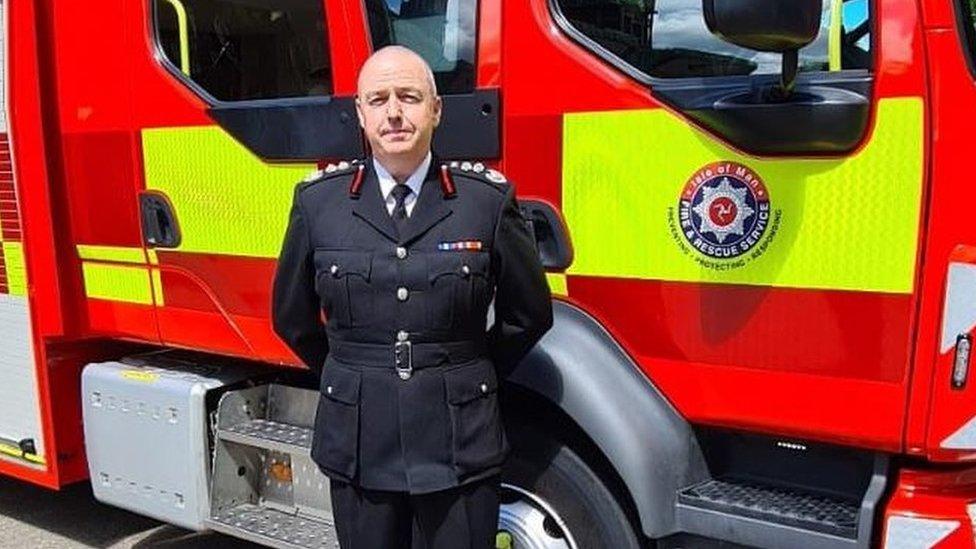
{"points": [[273, 435], [275, 528], [265, 486], [808, 511]]}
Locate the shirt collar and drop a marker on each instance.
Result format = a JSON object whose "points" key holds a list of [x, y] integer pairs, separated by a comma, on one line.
{"points": [[415, 181]]}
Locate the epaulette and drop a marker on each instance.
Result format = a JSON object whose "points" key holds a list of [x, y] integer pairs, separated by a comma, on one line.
{"points": [[478, 171], [344, 167]]}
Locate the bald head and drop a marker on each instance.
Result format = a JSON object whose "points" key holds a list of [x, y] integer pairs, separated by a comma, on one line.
{"points": [[398, 108], [395, 58]]}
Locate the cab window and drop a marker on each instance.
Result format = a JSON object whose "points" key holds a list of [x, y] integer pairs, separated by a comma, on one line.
{"points": [[237, 50], [443, 32], [669, 39]]}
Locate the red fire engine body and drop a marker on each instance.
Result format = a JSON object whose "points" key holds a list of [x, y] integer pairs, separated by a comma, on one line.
{"points": [[148, 210]]}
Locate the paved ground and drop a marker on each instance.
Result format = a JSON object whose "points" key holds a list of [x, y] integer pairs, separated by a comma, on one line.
{"points": [[38, 518]]}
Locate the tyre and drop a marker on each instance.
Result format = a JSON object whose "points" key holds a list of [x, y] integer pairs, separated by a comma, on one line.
{"points": [[551, 499]]}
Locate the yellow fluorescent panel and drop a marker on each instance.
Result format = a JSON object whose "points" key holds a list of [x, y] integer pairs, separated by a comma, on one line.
{"points": [[225, 199], [13, 254], [157, 286], [117, 282], [845, 223], [100, 279], [835, 35], [111, 253], [16, 452], [557, 283]]}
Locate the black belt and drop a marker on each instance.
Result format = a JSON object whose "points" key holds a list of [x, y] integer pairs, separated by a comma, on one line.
{"points": [[405, 356]]}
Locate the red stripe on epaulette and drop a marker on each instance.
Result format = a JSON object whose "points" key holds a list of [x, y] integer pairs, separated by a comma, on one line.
{"points": [[447, 182], [357, 182]]}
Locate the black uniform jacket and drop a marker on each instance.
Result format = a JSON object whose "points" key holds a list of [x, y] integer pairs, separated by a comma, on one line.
{"points": [[417, 301]]}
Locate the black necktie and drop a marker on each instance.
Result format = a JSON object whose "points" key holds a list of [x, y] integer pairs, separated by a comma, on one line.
{"points": [[400, 192]]}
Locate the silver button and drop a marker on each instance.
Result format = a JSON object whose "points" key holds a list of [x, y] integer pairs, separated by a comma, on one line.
{"points": [[466, 270], [328, 389], [404, 375], [334, 269], [401, 252], [402, 293], [484, 387], [402, 335]]}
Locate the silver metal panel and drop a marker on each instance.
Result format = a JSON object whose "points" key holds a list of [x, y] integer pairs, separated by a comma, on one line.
{"points": [[917, 533], [311, 488], [971, 511], [959, 312], [20, 412], [292, 405], [146, 435], [270, 434], [964, 438], [276, 486], [260, 429], [275, 528]]}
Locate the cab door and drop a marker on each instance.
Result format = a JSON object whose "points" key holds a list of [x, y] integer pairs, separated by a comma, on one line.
{"points": [[942, 423], [757, 257], [240, 100], [235, 102]]}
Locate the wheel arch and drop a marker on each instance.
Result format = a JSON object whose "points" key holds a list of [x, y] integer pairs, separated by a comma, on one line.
{"points": [[583, 372]]}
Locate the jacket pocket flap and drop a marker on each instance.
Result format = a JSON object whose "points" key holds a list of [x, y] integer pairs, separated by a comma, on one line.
{"points": [[343, 262], [462, 264], [341, 384], [470, 382]]}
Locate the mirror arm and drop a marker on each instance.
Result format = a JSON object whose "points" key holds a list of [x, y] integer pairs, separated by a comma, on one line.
{"points": [[791, 64]]}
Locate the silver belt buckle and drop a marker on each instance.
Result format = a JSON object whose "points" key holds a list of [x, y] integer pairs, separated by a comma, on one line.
{"points": [[403, 359]]}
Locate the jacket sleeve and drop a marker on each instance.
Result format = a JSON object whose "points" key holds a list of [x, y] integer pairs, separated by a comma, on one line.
{"points": [[523, 306], [295, 303]]}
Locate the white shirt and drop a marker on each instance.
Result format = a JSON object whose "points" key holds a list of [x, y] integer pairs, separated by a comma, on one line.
{"points": [[415, 181]]}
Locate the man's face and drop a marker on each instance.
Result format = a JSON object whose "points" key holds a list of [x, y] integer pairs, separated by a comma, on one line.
{"points": [[397, 107]]}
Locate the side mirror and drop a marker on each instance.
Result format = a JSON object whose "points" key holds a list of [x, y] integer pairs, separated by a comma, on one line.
{"points": [[781, 26], [551, 235]]}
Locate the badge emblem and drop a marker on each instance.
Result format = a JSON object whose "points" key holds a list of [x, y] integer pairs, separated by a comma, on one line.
{"points": [[495, 175], [724, 210]]}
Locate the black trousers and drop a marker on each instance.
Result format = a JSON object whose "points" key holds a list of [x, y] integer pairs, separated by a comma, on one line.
{"points": [[465, 517]]}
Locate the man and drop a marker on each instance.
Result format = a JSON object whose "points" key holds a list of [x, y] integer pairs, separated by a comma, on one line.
{"points": [[404, 254]]}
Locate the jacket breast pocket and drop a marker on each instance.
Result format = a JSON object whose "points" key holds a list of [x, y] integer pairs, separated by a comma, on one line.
{"points": [[459, 289], [478, 436], [336, 444], [342, 280]]}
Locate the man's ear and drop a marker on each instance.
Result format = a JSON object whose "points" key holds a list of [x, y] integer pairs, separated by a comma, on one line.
{"points": [[359, 114], [438, 108]]}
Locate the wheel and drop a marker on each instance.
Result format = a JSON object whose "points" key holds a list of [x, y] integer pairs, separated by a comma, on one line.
{"points": [[551, 499]]}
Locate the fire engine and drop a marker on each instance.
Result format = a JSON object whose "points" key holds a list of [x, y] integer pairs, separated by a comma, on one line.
{"points": [[753, 213]]}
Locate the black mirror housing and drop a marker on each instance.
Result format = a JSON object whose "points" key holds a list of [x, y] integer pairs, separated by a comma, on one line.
{"points": [[764, 25]]}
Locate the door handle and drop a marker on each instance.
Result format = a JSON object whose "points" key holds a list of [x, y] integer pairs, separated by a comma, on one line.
{"points": [[551, 235], [159, 226]]}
